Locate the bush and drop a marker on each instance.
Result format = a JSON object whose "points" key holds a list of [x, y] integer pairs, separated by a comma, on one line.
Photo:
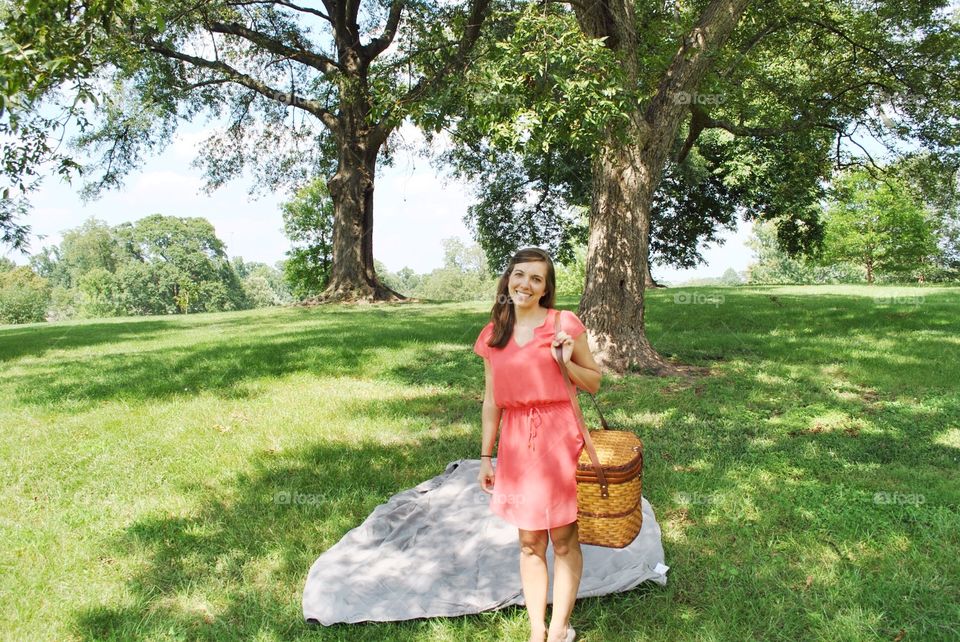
{"points": [[24, 296], [259, 292]]}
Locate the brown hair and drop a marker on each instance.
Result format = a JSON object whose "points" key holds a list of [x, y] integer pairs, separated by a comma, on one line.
{"points": [[502, 314]]}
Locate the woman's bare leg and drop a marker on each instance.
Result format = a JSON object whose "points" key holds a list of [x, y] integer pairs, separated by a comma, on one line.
{"points": [[533, 577], [567, 569]]}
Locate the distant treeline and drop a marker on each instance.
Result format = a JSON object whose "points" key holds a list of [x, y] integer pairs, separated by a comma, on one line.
{"points": [[170, 265]]}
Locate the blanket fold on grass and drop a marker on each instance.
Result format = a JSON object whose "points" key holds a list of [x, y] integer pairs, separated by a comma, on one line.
{"points": [[436, 550]]}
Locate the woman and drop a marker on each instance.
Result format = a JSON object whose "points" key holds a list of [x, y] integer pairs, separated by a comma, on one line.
{"points": [[534, 486]]}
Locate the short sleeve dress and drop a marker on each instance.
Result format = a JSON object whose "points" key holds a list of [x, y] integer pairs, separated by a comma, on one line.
{"points": [[535, 484]]}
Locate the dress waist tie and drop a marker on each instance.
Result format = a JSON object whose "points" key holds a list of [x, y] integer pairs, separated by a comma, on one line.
{"points": [[534, 420]]}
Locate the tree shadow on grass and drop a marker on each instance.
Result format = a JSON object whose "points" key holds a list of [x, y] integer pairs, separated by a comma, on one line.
{"points": [[774, 498], [236, 567], [338, 347], [789, 512]]}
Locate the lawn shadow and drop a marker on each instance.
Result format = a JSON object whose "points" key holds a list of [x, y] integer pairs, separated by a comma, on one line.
{"points": [[235, 567], [333, 345], [763, 475]]}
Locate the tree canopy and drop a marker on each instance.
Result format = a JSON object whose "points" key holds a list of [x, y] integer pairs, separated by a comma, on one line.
{"points": [[302, 92]]}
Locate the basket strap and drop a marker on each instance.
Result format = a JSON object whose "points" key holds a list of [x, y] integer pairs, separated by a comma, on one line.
{"points": [[572, 391]]}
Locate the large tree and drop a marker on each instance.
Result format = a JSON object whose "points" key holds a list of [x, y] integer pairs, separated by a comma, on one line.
{"points": [[880, 226], [791, 86], [306, 91]]}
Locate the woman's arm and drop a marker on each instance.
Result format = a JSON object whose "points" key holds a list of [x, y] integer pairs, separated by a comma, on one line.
{"points": [[583, 369], [491, 414]]}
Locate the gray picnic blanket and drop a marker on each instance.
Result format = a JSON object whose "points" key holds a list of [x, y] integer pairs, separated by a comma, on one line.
{"points": [[436, 550]]}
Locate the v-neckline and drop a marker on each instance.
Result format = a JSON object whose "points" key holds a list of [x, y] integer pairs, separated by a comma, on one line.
{"points": [[513, 337]]}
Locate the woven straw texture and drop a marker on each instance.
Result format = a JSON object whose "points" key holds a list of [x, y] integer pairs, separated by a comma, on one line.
{"points": [[615, 520]]}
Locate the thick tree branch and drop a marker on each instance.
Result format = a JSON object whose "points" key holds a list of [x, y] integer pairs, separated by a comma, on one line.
{"points": [[352, 11], [684, 74], [705, 122], [289, 5], [327, 66], [377, 46], [478, 13], [248, 81], [699, 120], [206, 83], [336, 9], [690, 62], [596, 19]]}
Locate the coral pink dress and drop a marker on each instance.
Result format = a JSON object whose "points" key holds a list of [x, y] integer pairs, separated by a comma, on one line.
{"points": [[535, 484]]}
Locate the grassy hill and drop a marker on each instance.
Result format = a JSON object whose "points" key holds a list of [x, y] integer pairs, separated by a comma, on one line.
{"points": [[807, 489]]}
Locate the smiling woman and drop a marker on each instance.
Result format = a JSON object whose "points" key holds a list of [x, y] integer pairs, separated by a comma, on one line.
{"points": [[534, 485]]}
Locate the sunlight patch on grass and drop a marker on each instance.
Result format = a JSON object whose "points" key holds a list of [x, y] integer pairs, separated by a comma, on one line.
{"points": [[648, 419], [949, 438], [189, 603]]}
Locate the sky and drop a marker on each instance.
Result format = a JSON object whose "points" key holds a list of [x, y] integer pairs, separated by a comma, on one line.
{"points": [[415, 207]]}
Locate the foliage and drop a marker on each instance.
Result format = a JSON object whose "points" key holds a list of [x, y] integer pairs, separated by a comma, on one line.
{"points": [[730, 277], [463, 277], [196, 273], [24, 296], [308, 223], [46, 48], [406, 281], [878, 225], [263, 285], [156, 265], [935, 182], [572, 275], [772, 264], [775, 114]]}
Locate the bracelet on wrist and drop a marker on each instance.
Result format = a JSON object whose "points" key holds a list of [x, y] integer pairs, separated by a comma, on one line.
{"points": [[490, 456]]}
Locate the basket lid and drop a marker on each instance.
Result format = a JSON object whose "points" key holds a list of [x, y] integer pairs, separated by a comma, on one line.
{"points": [[615, 449]]}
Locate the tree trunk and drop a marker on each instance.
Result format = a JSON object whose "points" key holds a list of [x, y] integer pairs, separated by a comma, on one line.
{"points": [[626, 173], [648, 281], [352, 273], [612, 303]]}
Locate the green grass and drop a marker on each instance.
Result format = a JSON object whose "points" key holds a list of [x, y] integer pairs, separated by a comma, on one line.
{"points": [[807, 488]]}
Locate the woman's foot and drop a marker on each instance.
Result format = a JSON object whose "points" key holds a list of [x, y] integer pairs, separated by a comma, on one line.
{"points": [[537, 635], [568, 635]]}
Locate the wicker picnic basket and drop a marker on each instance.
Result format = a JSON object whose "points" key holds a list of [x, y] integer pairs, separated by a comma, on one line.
{"points": [[609, 478]]}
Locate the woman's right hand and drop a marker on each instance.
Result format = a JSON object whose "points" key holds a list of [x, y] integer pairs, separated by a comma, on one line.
{"points": [[486, 475]]}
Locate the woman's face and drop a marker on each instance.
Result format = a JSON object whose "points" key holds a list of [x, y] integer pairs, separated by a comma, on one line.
{"points": [[528, 282]]}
